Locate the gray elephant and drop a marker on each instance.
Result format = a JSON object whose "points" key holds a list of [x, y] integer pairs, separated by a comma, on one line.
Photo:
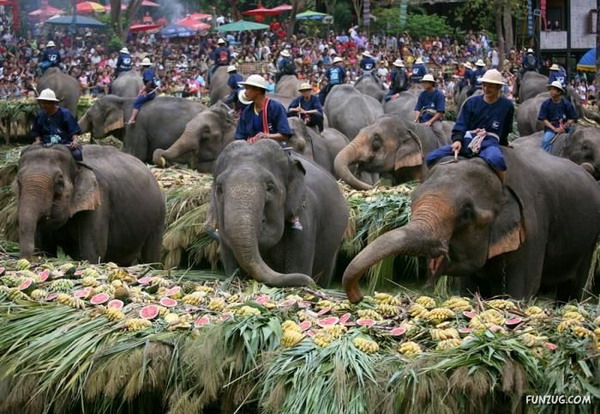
{"points": [[527, 114], [288, 86], [108, 209], [390, 145], [127, 85], [311, 144], [537, 230], [532, 84], [256, 189], [461, 97], [367, 85], [219, 89], [348, 110], [159, 123], [403, 105], [65, 87], [335, 140]]}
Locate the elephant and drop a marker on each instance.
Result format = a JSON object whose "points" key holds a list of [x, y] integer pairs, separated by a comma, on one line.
{"points": [[335, 140], [537, 229], [527, 115], [127, 85], [288, 86], [256, 189], [109, 208], [367, 85], [348, 110], [219, 89], [461, 97], [310, 144], [390, 145], [532, 84], [159, 123], [403, 105], [582, 146], [65, 87]]}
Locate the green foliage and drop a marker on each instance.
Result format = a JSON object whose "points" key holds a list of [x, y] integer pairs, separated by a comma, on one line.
{"points": [[115, 43], [418, 25], [342, 16]]}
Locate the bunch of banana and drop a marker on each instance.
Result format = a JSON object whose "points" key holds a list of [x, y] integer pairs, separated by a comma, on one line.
{"points": [[418, 311], [368, 346], [370, 314], [159, 281], [438, 315], [491, 316], [10, 280], [308, 296], [116, 283], [89, 281], [206, 289], [136, 324], [457, 304], [567, 324], [235, 298], [597, 338], [67, 269], [15, 294], [388, 310], [89, 272], [409, 348], [581, 332], [322, 338], [295, 298], [387, 299], [106, 288], [573, 315], [62, 285], [120, 274], [194, 298], [597, 321], [426, 301], [22, 264], [501, 304], [291, 337], [216, 304], [113, 314], [535, 312], [247, 311], [441, 334], [336, 331], [448, 344], [38, 294], [342, 307], [71, 301], [289, 325], [322, 304], [171, 318], [531, 340]]}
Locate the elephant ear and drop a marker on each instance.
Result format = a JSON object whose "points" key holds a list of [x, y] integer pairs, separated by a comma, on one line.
{"points": [[115, 118], [410, 154], [508, 230], [86, 193], [296, 189]]}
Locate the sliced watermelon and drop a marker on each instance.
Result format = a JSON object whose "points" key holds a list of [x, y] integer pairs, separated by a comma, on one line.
{"points": [[365, 322], [262, 300], [149, 312], [100, 298], [115, 304], [286, 303], [82, 293], [551, 346], [201, 321], [469, 314], [51, 296], [26, 284], [345, 317], [305, 325], [44, 275], [78, 272], [324, 311], [173, 291], [465, 331], [514, 322], [2, 271], [145, 280], [398, 331], [332, 320], [168, 302]]}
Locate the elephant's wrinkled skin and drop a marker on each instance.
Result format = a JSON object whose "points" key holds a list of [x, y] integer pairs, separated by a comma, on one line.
{"points": [[403, 105], [348, 110], [218, 87], [390, 145], [539, 230], [255, 191], [310, 144], [288, 86], [65, 87], [127, 85], [532, 84], [367, 85], [110, 209], [159, 123]]}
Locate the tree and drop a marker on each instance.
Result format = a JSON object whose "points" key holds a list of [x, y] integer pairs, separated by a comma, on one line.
{"points": [[297, 6], [121, 20], [358, 5]]}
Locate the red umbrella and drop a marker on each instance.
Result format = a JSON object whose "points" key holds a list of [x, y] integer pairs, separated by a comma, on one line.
{"points": [[193, 24], [283, 7], [143, 27], [6, 3], [89, 7], [199, 16], [261, 11], [48, 11], [148, 3]]}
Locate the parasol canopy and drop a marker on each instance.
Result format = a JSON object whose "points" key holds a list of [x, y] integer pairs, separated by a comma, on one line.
{"points": [[143, 27], [48, 11], [175, 30], [193, 24], [148, 3], [89, 7], [78, 21], [311, 15], [587, 63], [241, 26], [283, 7], [262, 11]]}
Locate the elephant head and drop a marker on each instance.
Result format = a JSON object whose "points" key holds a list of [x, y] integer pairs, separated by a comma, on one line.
{"points": [[52, 187], [389, 145], [202, 141], [256, 188], [461, 216], [106, 116], [583, 148]]}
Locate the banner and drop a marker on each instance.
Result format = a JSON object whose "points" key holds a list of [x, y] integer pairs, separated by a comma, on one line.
{"points": [[367, 12], [529, 18], [403, 13]]}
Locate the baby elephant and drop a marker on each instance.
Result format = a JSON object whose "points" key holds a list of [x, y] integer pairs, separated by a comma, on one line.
{"points": [[258, 189]]}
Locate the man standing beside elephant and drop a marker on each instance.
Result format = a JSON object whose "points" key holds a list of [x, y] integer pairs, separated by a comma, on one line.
{"points": [[557, 114], [430, 108], [55, 125], [308, 107], [482, 126]]}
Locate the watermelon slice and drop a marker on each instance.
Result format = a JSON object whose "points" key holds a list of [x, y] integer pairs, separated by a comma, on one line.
{"points": [[398, 331], [324, 323], [115, 304], [2, 271], [465, 331], [201, 321], [173, 291], [51, 296], [469, 314], [345, 317], [145, 280], [44, 275], [305, 325], [168, 302], [262, 300], [99, 299], [324, 311], [287, 303], [149, 312], [365, 322], [78, 272], [26, 285], [514, 322], [82, 293], [551, 346]]}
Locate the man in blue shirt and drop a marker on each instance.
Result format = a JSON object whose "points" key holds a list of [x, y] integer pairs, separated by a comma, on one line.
{"points": [[221, 56], [234, 83], [430, 108], [529, 62], [557, 74], [476, 76], [367, 64], [308, 107], [55, 125], [483, 124], [419, 70], [124, 62], [335, 75], [398, 80], [557, 114], [285, 66], [50, 58], [148, 92], [466, 80]]}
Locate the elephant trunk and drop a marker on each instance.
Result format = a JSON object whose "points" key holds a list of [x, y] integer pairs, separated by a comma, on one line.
{"points": [[350, 154], [187, 142], [32, 206], [242, 216], [427, 234], [84, 124]]}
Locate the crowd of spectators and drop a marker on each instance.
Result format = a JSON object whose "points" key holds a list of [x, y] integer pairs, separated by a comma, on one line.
{"points": [[182, 63]]}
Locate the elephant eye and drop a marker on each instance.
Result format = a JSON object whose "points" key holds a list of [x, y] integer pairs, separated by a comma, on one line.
{"points": [[270, 187], [59, 185], [219, 189], [377, 142]]}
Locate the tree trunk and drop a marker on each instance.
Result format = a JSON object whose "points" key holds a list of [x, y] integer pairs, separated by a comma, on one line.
{"points": [[358, 10], [501, 46], [297, 5], [119, 23], [509, 38], [235, 12]]}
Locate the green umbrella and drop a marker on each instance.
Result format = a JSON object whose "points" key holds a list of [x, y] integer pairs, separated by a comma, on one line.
{"points": [[241, 26], [311, 15]]}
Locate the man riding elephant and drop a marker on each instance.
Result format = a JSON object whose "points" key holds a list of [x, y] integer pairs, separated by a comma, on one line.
{"points": [[221, 56], [430, 108], [124, 62], [148, 93], [51, 57], [557, 114], [476, 76], [399, 80], [234, 83], [466, 79], [335, 75], [419, 70], [557, 74], [285, 66], [308, 107], [368, 64]]}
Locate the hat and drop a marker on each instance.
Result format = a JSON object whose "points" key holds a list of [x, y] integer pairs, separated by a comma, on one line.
{"points": [[243, 98], [221, 41], [338, 59], [366, 54], [285, 53], [398, 63], [492, 76], [468, 65], [50, 44], [428, 78], [47, 95], [530, 50], [418, 61], [255, 80], [146, 62], [124, 50], [556, 84], [304, 86], [231, 68], [479, 63], [554, 67]]}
